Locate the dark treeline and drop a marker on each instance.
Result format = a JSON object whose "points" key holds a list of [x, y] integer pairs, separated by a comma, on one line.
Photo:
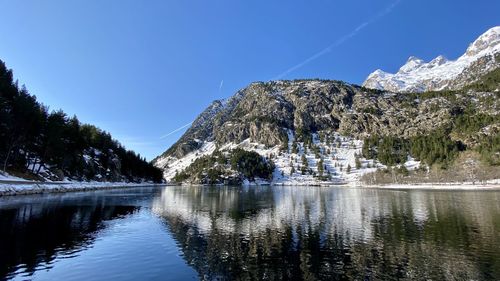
{"points": [[221, 166], [43, 144], [251, 164], [433, 149], [436, 148]]}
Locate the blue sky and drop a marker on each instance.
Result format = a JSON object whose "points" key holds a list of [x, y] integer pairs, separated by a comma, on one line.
{"points": [[141, 69]]}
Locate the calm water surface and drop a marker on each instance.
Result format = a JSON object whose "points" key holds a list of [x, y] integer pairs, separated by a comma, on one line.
{"points": [[273, 233]]}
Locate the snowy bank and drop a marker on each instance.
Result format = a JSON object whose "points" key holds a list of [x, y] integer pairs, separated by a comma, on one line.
{"points": [[23, 188], [8, 177], [487, 185]]}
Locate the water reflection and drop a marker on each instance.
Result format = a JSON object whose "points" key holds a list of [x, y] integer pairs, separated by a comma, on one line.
{"points": [[253, 233], [323, 233], [35, 231]]}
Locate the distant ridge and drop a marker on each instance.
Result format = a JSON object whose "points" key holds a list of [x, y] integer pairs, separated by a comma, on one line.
{"points": [[416, 75]]}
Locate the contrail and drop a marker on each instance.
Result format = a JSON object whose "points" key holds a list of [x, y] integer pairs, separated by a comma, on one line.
{"points": [[180, 128], [318, 54], [176, 130], [340, 40], [221, 84]]}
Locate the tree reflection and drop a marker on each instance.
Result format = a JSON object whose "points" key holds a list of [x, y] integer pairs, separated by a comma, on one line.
{"points": [[317, 233], [31, 235]]}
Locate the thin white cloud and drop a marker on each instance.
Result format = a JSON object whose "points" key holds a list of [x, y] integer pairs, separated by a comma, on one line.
{"points": [[341, 40], [176, 130]]}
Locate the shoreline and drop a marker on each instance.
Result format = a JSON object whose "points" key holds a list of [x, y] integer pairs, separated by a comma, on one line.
{"points": [[415, 186], [488, 185], [13, 188], [19, 188], [435, 186]]}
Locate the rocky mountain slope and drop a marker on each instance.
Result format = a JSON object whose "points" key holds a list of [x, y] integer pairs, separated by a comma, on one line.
{"points": [[331, 132], [482, 56], [313, 131]]}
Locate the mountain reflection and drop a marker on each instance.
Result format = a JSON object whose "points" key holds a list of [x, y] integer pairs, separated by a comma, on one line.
{"points": [[333, 233], [32, 235]]}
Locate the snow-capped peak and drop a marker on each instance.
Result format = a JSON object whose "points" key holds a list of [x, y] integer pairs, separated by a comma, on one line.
{"points": [[377, 73], [411, 64], [440, 73], [487, 40], [439, 60]]}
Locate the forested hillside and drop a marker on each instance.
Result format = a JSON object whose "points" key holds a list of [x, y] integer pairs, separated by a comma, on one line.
{"points": [[466, 148], [41, 144]]}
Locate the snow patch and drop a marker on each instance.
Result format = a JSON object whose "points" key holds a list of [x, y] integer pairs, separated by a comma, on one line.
{"points": [[173, 165], [339, 155], [8, 177]]}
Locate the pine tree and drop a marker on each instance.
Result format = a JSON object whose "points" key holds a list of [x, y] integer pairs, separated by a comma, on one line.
{"points": [[358, 162], [320, 167], [295, 148], [304, 161]]}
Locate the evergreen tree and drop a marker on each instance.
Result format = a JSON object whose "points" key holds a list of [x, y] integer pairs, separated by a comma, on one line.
{"points": [[295, 148], [358, 162], [320, 167], [304, 161]]}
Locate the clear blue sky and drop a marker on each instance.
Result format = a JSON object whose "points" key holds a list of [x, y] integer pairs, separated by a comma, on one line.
{"points": [[140, 69]]}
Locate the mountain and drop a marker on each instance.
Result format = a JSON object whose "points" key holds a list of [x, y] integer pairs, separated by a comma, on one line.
{"points": [[42, 145], [264, 117], [306, 132], [482, 56]]}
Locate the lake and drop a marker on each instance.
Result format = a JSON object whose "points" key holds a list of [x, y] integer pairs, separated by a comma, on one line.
{"points": [[251, 233]]}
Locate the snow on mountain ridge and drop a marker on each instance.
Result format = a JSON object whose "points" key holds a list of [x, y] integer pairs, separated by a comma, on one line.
{"points": [[439, 60], [411, 64], [487, 39], [440, 73]]}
